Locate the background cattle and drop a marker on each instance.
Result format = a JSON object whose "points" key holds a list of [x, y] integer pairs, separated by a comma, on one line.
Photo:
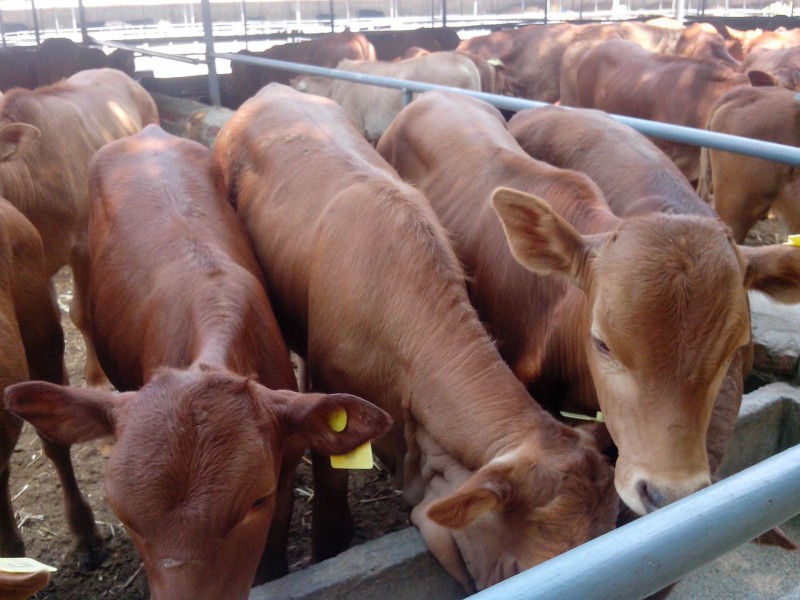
{"points": [[326, 51], [369, 292], [32, 346], [47, 137], [56, 59], [372, 108], [390, 45], [782, 64], [620, 77], [205, 451], [577, 327], [742, 189]]}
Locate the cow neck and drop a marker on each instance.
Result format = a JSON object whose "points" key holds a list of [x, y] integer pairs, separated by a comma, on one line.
{"points": [[469, 401], [16, 183]]}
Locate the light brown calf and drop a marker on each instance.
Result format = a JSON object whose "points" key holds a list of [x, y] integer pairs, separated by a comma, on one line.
{"points": [[637, 317], [47, 137], [742, 189], [205, 449], [369, 291], [32, 346]]}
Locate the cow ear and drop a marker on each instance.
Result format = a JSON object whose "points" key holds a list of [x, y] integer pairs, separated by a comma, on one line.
{"points": [[336, 423], [774, 270], [539, 239], [15, 139], [66, 415], [761, 79]]}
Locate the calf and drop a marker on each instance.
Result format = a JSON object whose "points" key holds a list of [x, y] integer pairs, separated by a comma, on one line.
{"points": [[32, 345], [640, 317], [742, 189], [369, 291], [47, 137], [206, 448], [372, 108]]}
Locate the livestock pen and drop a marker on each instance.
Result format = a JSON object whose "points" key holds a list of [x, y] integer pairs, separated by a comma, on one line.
{"points": [[759, 498]]}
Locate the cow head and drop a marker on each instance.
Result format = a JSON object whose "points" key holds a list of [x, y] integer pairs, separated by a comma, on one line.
{"points": [[666, 310], [194, 471], [524, 507]]}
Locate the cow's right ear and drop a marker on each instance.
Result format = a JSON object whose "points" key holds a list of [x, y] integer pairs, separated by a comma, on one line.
{"points": [[66, 415], [541, 240], [334, 424], [15, 139]]}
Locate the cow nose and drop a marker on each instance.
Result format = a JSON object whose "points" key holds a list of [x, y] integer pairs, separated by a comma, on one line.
{"points": [[654, 496]]}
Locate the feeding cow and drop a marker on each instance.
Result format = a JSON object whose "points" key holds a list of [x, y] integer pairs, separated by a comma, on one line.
{"points": [[32, 346], [743, 189], [369, 291], [640, 317], [47, 137], [372, 108], [207, 446], [326, 51]]}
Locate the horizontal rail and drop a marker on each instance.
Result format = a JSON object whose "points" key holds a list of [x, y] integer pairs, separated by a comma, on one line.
{"points": [[675, 133], [147, 51], [648, 554]]}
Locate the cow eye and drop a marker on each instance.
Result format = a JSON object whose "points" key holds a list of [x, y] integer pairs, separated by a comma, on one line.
{"points": [[601, 346], [259, 503]]}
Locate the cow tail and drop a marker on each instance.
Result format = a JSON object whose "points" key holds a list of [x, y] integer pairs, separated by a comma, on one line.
{"points": [[705, 185]]}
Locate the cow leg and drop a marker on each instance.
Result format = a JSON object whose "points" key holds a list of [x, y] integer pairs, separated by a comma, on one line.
{"points": [[274, 561], [332, 526], [88, 545], [79, 313], [11, 543]]}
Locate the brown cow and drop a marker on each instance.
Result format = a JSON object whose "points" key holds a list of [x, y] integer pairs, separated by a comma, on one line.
{"points": [[204, 453], [246, 79], [390, 45], [782, 64], [47, 137], [614, 316], [742, 189], [369, 291], [620, 77], [372, 108], [32, 345]]}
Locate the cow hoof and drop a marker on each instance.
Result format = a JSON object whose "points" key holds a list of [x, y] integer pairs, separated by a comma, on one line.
{"points": [[90, 555], [12, 548]]}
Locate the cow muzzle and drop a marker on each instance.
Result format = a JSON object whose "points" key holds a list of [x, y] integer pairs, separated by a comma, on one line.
{"points": [[644, 494]]}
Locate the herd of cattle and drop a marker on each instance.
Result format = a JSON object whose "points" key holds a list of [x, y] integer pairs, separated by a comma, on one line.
{"points": [[452, 281]]}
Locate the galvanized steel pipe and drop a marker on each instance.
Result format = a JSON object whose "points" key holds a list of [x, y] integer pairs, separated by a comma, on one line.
{"points": [[675, 133], [643, 557]]}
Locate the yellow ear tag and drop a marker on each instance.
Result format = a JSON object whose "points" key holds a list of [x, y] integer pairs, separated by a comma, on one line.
{"points": [[598, 417], [360, 458], [24, 565], [793, 240]]}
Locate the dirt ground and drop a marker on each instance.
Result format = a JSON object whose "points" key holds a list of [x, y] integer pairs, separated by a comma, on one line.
{"points": [[376, 505]]}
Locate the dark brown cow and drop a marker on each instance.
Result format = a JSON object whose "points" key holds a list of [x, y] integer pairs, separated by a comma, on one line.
{"points": [[369, 291], [742, 189], [245, 79], [204, 454], [620, 77], [47, 137], [393, 44], [638, 317], [32, 345], [56, 59]]}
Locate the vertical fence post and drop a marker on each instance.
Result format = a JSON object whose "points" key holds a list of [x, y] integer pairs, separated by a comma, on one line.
{"points": [[35, 21], [208, 36]]}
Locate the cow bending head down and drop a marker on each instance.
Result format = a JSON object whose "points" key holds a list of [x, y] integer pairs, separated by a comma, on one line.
{"points": [[668, 314], [194, 472]]}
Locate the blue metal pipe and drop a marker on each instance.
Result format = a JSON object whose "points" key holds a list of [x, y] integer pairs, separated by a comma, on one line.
{"points": [[645, 556], [675, 133]]}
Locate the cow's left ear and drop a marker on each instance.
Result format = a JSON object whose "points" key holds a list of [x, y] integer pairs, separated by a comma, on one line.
{"points": [[541, 240], [15, 139], [774, 270], [334, 424], [761, 79]]}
